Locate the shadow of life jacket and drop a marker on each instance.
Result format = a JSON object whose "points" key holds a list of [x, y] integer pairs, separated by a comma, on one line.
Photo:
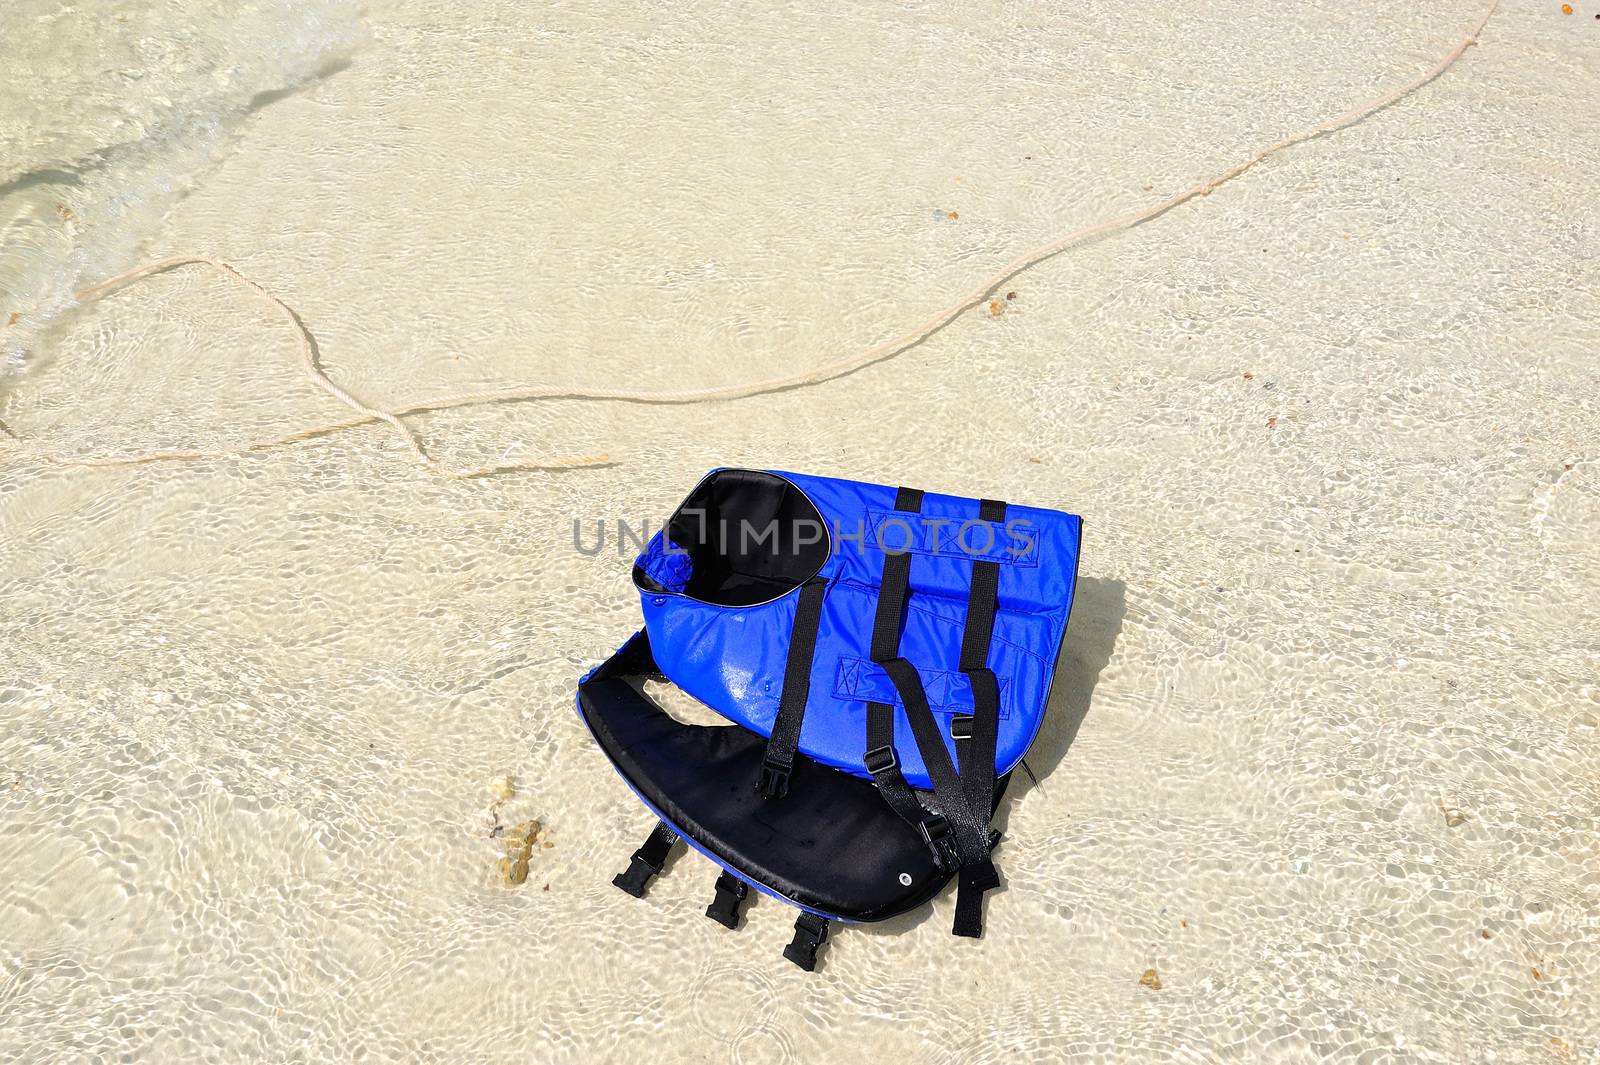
{"points": [[885, 658]]}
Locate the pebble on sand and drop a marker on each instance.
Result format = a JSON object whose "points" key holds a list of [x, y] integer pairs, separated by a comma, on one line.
{"points": [[514, 871], [1454, 817], [1151, 980], [502, 788], [519, 848], [522, 837]]}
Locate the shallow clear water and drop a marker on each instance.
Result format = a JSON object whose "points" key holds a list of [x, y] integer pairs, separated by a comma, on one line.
{"points": [[112, 111], [1326, 751]]}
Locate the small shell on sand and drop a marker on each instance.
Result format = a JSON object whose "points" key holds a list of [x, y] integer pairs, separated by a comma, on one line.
{"points": [[1151, 980], [502, 788]]}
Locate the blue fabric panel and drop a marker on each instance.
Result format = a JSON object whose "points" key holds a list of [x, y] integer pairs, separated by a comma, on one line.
{"points": [[669, 568], [732, 658]]}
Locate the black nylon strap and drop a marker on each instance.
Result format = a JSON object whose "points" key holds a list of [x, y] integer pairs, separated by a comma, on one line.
{"points": [[977, 756], [974, 882], [963, 827], [884, 765], [981, 599], [785, 737], [977, 752], [971, 827], [655, 849], [896, 586], [881, 760]]}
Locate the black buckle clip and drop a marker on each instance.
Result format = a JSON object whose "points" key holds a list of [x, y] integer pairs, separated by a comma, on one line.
{"points": [[637, 876], [880, 759], [774, 782], [724, 909], [810, 932], [940, 838], [961, 727], [646, 863]]}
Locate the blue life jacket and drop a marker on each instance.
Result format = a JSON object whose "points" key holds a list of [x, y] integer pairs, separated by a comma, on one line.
{"points": [[893, 648], [720, 599]]}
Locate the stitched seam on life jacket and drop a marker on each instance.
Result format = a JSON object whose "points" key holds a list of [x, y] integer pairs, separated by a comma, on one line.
{"points": [[852, 673], [947, 529]]}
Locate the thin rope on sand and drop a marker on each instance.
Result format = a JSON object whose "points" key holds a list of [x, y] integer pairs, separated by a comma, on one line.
{"points": [[364, 412]]}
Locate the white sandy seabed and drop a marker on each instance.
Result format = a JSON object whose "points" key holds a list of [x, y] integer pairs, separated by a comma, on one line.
{"points": [[1327, 753]]}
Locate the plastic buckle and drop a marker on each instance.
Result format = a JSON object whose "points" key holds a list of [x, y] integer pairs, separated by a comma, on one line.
{"points": [[647, 861], [880, 759], [724, 909], [940, 838], [774, 782], [637, 877], [961, 727], [810, 932]]}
